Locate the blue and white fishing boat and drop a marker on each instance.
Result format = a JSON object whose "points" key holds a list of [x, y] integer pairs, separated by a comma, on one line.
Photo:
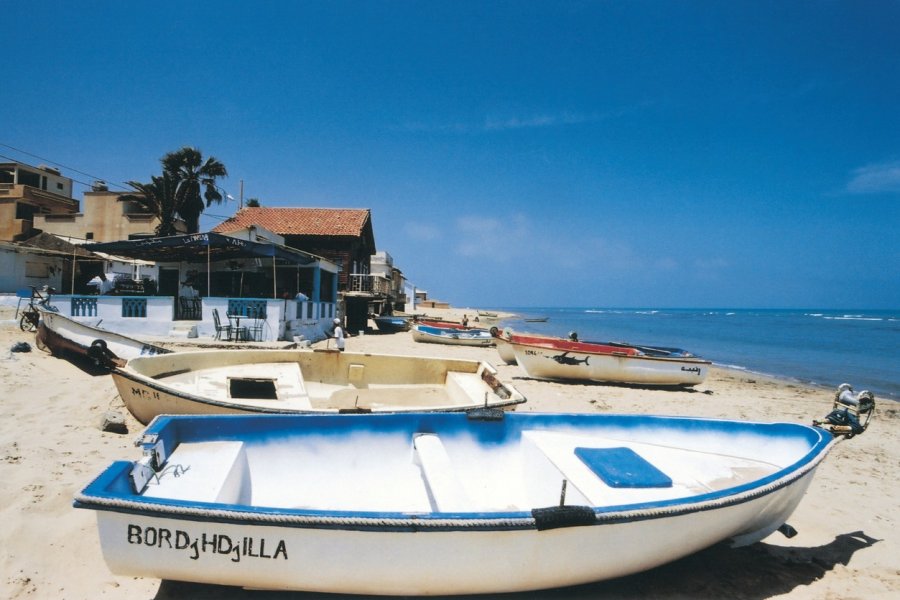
{"points": [[444, 503], [456, 336]]}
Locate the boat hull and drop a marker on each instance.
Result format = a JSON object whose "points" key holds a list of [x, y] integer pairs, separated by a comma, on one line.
{"points": [[201, 383], [422, 552], [453, 337], [62, 335], [391, 324], [550, 362]]}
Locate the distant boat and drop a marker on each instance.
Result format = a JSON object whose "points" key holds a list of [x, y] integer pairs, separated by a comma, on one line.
{"points": [[62, 335], [442, 504], [452, 336], [310, 381], [545, 357], [442, 324], [391, 324], [537, 319]]}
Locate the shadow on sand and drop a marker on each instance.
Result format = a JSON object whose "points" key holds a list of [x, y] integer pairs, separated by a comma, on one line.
{"points": [[751, 573]]}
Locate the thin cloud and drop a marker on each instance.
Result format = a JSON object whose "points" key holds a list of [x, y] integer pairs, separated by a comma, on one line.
{"points": [[422, 232], [876, 178], [493, 124]]}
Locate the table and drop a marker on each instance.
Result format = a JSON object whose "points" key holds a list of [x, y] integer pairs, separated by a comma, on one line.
{"points": [[238, 334]]}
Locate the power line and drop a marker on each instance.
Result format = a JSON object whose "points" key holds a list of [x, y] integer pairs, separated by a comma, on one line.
{"points": [[58, 165], [95, 177]]}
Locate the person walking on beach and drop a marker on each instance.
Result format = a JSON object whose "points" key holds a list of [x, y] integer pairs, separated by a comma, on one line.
{"points": [[339, 335], [465, 321]]}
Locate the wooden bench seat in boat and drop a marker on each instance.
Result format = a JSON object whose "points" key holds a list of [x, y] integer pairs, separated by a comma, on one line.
{"points": [[444, 488], [222, 383], [464, 388], [203, 472], [659, 472]]}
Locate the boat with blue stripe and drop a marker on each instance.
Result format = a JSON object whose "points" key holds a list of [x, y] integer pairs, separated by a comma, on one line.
{"points": [[444, 503]]}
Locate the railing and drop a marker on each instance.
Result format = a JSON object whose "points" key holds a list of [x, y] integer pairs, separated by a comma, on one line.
{"points": [[255, 309], [134, 308], [369, 284], [84, 306]]}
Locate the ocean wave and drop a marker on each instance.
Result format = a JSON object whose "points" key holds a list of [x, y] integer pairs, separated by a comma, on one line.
{"points": [[853, 318]]}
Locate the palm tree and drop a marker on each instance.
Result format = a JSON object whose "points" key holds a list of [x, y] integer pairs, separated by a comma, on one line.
{"points": [[158, 198], [187, 167]]}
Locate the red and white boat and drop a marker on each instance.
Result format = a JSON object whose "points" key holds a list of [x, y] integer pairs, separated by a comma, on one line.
{"points": [[546, 357]]}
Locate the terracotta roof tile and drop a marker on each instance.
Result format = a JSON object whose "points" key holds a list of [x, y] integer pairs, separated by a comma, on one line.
{"points": [[300, 221]]}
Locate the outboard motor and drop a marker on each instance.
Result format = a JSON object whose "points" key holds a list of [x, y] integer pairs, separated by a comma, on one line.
{"points": [[850, 412]]}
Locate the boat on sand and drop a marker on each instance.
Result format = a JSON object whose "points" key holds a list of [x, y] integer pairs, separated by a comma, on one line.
{"points": [[61, 335], [391, 324], [544, 357], [442, 503], [455, 336], [292, 381]]}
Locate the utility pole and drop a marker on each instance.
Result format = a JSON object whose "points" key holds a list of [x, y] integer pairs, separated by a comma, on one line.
{"points": [[242, 194]]}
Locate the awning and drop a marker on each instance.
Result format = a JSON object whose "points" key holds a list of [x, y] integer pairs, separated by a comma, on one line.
{"points": [[200, 247]]}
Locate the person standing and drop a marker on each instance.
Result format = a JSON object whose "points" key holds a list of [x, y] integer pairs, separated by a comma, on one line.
{"points": [[339, 335]]}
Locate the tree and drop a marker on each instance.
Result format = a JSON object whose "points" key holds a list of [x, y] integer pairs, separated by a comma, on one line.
{"points": [[253, 203], [191, 172], [158, 198]]}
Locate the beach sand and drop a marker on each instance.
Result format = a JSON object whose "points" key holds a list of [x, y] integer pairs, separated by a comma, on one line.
{"points": [[847, 546]]}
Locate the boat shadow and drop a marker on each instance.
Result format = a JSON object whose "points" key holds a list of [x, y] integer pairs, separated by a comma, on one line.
{"points": [[751, 573]]}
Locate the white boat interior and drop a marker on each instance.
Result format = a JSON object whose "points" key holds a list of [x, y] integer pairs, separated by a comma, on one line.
{"points": [[324, 380], [430, 472]]}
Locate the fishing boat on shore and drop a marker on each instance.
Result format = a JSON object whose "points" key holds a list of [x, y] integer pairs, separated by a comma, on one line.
{"points": [[504, 348], [306, 381], [455, 336], [391, 324], [443, 503], [61, 335], [545, 357]]}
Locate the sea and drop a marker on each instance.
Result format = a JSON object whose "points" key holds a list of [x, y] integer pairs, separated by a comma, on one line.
{"points": [[824, 347]]}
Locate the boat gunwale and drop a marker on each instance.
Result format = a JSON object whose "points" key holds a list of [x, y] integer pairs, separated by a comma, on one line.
{"points": [[94, 496], [551, 344]]}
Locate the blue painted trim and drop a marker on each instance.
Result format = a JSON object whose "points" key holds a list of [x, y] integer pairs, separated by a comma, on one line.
{"points": [[113, 484]]}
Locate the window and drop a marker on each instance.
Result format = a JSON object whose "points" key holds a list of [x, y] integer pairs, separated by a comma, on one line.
{"points": [[25, 211], [29, 178], [89, 235]]}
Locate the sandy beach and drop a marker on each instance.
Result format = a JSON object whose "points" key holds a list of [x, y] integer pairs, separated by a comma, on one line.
{"points": [[848, 545]]}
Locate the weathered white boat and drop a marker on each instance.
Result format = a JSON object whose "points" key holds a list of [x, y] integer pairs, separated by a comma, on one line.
{"points": [[568, 359], [442, 503], [456, 336], [292, 381], [61, 335]]}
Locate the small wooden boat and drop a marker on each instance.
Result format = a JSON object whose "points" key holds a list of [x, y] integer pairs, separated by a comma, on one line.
{"points": [[391, 324], [442, 324], [546, 357], [291, 381], [536, 319], [453, 336], [61, 335], [440, 503]]}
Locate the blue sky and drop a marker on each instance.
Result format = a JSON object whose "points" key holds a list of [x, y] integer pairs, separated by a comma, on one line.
{"points": [[630, 154]]}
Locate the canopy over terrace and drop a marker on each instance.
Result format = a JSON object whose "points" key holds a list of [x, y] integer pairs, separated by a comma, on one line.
{"points": [[213, 247]]}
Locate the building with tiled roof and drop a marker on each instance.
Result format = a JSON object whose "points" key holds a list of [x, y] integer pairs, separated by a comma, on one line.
{"points": [[342, 235]]}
